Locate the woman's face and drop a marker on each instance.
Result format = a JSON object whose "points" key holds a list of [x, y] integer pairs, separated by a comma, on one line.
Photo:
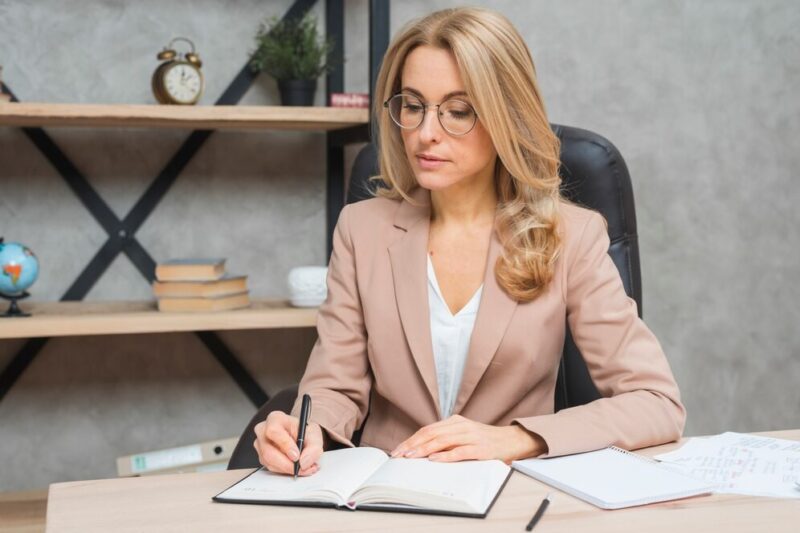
{"points": [[467, 160]]}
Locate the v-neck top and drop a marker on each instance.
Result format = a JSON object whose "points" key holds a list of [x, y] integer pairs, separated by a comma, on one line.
{"points": [[450, 335]]}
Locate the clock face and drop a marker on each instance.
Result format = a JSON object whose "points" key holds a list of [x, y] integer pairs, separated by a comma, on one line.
{"points": [[184, 83]]}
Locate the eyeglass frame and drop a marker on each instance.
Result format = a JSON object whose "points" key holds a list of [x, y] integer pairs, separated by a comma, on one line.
{"points": [[425, 107]]}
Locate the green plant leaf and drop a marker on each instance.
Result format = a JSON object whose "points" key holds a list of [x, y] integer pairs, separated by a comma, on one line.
{"points": [[292, 49]]}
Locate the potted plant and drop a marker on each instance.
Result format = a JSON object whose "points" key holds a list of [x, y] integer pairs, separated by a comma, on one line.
{"points": [[292, 52]]}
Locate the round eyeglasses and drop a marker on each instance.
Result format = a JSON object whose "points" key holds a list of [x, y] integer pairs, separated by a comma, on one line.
{"points": [[408, 111]]}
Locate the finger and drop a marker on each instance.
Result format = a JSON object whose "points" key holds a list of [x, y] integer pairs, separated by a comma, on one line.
{"points": [[314, 445], [314, 436], [425, 431], [439, 443], [261, 444], [290, 423], [277, 462], [421, 436], [257, 446], [459, 453], [271, 460], [310, 471], [259, 430], [426, 434], [310, 455], [279, 433]]}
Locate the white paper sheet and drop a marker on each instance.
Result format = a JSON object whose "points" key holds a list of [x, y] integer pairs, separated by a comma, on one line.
{"points": [[340, 473], [741, 464]]}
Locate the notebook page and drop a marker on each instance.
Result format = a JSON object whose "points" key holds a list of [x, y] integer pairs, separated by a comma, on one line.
{"points": [[467, 486], [612, 478], [340, 473], [756, 442], [757, 466]]}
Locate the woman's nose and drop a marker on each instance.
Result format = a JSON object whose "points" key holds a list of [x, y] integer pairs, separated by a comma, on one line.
{"points": [[430, 129]]}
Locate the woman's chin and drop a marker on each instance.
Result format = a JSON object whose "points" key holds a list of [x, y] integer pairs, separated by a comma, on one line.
{"points": [[433, 181]]}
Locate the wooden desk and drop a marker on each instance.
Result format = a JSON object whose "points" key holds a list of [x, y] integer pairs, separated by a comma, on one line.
{"points": [[183, 503]]}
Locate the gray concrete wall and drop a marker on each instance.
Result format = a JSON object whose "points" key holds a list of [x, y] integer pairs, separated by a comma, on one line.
{"points": [[700, 97]]}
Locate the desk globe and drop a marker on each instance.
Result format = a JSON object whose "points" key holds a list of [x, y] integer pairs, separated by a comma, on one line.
{"points": [[18, 270]]}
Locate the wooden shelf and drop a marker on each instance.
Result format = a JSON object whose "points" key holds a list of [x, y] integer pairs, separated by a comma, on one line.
{"points": [[207, 117], [57, 319]]}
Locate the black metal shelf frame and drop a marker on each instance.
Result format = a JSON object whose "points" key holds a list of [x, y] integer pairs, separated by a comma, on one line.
{"points": [[122, 233]]}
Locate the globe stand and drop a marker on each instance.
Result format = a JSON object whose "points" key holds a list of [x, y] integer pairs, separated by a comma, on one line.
{"points": [[13, 310]]}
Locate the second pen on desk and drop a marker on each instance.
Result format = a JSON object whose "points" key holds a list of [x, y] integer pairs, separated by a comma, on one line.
{"points": [[305, 412], [539, 512]]}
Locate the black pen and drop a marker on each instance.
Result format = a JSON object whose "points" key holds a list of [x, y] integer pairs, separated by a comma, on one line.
{"points": [[305, 412], [539, 512]]}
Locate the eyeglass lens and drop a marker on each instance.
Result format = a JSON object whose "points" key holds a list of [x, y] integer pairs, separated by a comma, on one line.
{"points": [[455, 116]]}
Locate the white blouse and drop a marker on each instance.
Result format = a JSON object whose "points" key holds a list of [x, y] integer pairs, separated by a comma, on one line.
{"points": [[450, 335]]}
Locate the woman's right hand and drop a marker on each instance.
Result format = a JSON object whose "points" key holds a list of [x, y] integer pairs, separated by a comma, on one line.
{"points": [[276, 444]]}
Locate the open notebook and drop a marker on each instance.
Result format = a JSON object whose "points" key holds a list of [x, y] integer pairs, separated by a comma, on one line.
{"points": [[367, 478], [613, 478]]}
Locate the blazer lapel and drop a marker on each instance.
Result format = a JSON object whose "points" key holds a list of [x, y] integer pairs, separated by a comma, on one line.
{"points": [[408, 257], [494, 314]]}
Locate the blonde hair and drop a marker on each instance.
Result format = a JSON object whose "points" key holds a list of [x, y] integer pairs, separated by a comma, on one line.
{"points": [[500, 79]]}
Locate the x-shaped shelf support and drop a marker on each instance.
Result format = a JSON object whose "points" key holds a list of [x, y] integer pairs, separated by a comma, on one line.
{"points": [[121, 233]]}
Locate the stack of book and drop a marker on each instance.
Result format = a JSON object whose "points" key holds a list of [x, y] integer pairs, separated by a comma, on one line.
{"points": [[198, 285]]}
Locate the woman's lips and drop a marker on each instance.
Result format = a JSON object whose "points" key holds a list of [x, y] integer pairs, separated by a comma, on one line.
{"points": [[430, 164]]}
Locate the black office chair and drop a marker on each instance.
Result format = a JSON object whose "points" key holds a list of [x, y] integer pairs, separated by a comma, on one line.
{"points": [[593, 175]]}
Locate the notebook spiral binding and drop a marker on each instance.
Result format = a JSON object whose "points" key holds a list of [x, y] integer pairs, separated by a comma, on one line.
{"points": [[636, 455]]}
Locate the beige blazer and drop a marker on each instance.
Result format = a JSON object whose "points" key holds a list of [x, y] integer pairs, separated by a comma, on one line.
{"points": [[374, 352]]}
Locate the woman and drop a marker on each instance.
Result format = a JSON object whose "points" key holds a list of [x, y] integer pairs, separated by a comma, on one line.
{"points": [[448, 294]]}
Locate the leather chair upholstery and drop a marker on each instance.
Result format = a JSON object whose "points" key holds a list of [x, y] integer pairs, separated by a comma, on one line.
{"points": [[593, 175]]}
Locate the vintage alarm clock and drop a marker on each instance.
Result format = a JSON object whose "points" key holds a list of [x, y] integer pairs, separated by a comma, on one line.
{"points": [[178, 79]]}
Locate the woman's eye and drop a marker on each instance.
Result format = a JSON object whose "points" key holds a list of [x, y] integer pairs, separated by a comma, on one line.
{"points": [[459, 115], [413, 108]]}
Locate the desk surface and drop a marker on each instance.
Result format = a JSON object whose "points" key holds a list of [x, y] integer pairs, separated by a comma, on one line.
{"points": [[183, 503]]}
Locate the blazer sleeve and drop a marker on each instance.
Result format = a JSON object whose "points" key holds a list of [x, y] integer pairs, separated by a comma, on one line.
{"points": [[338, 376], [640, 404]]}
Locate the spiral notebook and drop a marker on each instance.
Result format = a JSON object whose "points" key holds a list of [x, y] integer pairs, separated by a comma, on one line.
{"points": [[613, 478]]}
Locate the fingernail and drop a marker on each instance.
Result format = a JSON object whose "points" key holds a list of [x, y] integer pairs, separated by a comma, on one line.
{"points": [[295, 455], [410, 453], [433, 457], [394, 453]]}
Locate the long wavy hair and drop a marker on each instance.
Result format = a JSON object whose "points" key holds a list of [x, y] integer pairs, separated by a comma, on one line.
{"points": [[500, 79]]}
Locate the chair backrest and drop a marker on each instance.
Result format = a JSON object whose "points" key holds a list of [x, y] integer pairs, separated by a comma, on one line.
{"points": [[593, 175]]}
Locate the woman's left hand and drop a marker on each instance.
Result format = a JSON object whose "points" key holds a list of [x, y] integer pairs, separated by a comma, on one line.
{"points": [[460, 439]]}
